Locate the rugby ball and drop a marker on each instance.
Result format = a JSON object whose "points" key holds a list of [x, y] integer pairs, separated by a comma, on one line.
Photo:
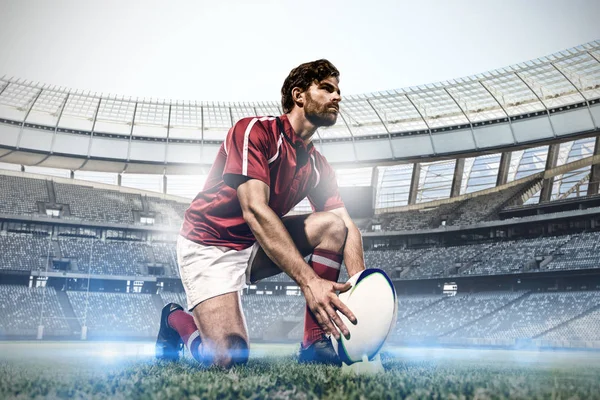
{"points": [[372, 299]]}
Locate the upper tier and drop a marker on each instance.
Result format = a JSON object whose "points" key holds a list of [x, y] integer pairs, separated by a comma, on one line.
{"points": [[538, 100]]}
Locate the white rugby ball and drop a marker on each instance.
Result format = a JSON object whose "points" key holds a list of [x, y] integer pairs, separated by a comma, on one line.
{"points": [[372, 299]]}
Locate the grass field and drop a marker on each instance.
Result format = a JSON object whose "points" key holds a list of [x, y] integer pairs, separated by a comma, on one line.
{"points": [[127, 371]]}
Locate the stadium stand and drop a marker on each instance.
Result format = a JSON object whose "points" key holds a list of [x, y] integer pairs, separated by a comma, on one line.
{"points": [[490, 258], [426, 218], [109, 257], [116, 257], [584, 328], [127, 257], [20, 195], [167, 212], [583, 251], [450, 313], [492, 318], [174, 297], [530, 316], [92, 204], [515, 256], [27, 252], [486, 207], [409, 305], [116, 314], [78, 251], [165, 253], [437, 261], [391, 261], [263, 310], [469, 211], [20, 309]]}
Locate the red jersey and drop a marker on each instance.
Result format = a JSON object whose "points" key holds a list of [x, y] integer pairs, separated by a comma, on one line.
{"points": [[267, 149]]}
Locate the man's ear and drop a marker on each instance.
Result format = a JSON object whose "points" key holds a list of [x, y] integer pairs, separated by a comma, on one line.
{"points": [[298, 96]]}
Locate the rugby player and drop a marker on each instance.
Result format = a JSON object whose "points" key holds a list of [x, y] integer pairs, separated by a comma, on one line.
{"points": [[235, 233]]}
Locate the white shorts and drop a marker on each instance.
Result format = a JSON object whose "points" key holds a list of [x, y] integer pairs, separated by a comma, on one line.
{"points": [[209, 271]]}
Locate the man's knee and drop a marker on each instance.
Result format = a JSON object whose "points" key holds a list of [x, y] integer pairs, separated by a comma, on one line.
{"points": [[238, 349], [329, 230], [232, 350]]}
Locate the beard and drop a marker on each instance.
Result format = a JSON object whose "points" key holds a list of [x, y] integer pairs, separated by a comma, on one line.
{"points": [[319, 114]]}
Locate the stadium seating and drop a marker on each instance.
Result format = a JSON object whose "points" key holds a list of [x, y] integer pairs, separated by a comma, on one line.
{"points": [[491, 258], [92, 204], [391, 261], [119, 257], [409, 305], [167, 212], [165, 253], [583, 251], [116, 314], [486, 207], [21, 308], [262, 311], [20, 195], [172, 297], [497, 318], [515, 256], [530, 315], [436, 261], [27, 252], [450, 313], [585, 328], [78, 250], [462, 212], [109, 257], [426, 218]]}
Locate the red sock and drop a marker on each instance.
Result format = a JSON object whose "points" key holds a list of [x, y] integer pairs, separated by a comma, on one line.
{"points": [[185, 325], [327, 265]]}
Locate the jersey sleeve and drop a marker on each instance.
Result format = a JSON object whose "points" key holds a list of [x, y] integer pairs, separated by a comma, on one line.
{"points": [[325, 195], [247, 148]]}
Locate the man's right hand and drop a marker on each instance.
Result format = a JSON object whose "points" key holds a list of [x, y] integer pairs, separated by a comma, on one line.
{"points": [[322, 300]]}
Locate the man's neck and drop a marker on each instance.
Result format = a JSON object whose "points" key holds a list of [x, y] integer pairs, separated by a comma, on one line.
{"points": [[302, 127]]}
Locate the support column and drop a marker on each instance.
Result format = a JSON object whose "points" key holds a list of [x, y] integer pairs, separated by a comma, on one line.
{"points": [[119, 179], [547, 184], [459, 168], [374, 181], [595, 174], [414, 183], [503, 168], [164, 184]]}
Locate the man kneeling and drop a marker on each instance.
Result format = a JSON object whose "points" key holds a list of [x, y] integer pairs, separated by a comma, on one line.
{"points": [[235, 232]]}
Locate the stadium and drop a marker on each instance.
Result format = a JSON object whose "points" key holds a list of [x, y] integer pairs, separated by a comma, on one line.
{"points": [[478, 196]]}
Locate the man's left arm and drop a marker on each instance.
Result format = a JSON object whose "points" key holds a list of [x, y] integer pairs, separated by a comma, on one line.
{"points": [[354, 257]]}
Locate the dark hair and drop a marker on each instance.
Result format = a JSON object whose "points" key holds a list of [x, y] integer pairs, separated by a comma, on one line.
{"points": [[302, 77]]}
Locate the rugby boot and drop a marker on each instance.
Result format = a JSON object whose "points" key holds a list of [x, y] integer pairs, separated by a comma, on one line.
{"points": [[320, 352], [168, 343]]}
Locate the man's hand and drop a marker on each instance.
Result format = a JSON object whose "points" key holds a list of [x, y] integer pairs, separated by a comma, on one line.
{"points": [[323, 302]]}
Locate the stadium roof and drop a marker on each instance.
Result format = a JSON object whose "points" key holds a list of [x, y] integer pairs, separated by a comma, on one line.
{"points": [[560, 79], [46, 125]]}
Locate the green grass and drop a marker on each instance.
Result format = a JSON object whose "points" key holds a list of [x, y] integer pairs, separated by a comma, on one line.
{"points": [[281, 377]]}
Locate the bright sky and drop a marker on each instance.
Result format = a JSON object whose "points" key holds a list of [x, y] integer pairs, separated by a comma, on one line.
{"points": [[240, 50]]}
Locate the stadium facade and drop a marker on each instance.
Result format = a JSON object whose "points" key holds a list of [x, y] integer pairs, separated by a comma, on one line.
{"points": [[483, 187]]}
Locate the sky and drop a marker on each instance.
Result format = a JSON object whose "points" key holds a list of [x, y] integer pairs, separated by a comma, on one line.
{"points": [[236, 50]]}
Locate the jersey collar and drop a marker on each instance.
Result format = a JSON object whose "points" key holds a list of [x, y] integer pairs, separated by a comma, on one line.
{"points": [[292, 138]]}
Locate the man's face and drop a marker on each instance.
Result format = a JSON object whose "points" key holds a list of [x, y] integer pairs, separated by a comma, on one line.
{"points": [[323, 102]]}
